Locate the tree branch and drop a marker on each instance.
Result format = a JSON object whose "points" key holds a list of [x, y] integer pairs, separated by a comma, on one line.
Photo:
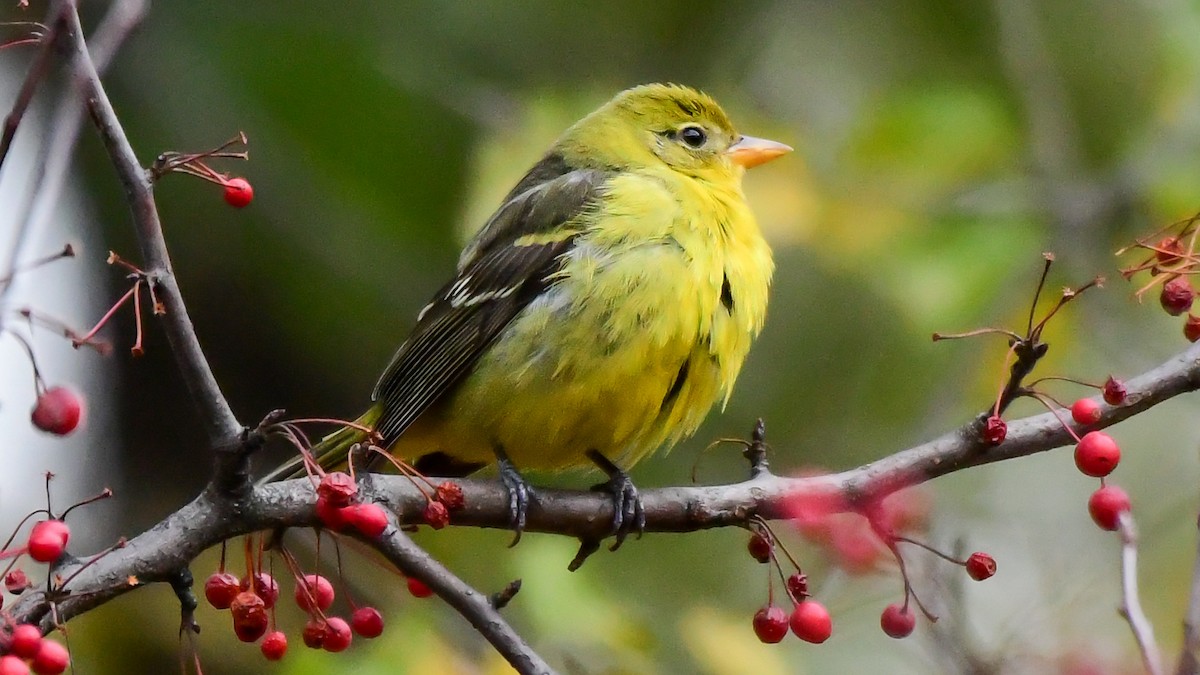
{"points": [[224, 430], [476, 607], [1131, 607], [206, 521]]}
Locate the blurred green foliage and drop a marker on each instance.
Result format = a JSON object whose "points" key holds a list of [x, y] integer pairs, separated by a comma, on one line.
{"points": [[942, 146]]}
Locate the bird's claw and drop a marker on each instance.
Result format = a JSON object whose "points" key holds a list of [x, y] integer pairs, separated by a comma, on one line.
{"points": [[520, 494], [628, 512]]}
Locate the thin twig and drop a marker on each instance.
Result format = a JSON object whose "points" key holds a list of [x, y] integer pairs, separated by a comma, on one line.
{"points": [[216, 415], [54, 161], [1189, 657], [474, 606], [1131, 607], [37, 72]]}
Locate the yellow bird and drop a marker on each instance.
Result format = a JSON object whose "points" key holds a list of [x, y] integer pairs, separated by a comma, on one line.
{"points": [[599, 313]]}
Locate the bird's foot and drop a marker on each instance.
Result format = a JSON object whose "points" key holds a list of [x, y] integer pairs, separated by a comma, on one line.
{"points": [[520, 494], [628, 513]]}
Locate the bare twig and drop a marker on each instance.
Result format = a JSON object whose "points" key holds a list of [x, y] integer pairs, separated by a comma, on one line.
{"points": [[37, 72], [1189, 657], [476, 607], [1131, 607], [223, 428], [54, 160]]}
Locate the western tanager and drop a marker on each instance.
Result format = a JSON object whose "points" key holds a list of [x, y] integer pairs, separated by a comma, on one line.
{"points": [[599, 313]]}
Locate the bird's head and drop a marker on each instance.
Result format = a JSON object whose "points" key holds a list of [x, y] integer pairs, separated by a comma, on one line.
{"points": [[657, 124]]}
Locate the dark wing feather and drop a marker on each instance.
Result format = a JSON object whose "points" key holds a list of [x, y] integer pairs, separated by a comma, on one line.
{"points": [[499, 275]]}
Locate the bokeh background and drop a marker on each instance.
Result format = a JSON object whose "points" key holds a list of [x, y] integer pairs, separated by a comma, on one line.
{"points": [[942, 146]]}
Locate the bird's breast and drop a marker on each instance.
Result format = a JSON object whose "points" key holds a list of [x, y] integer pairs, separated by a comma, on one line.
{"points": [[645, 326]]}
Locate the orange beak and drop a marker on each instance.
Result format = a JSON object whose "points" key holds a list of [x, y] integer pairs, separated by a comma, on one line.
{"points": [[749, 151]]}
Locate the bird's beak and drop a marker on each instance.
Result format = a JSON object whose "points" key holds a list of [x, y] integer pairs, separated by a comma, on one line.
{"points": [[750, 151]]}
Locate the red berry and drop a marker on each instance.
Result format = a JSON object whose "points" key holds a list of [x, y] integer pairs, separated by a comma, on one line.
{"points": [[770, 624], [48, 540], [274, 645], [368, 519], [11, 665], [811, 622], [220, 588], [338, 488], [337, 634], [980, 566], [450, 494], [1191, 328], [16, 582], [1106, 506], [759, 547], [314, 633], [332, 517], [436, 515], [26, 640], [249, 616], [1114, 391], [265, 587], [57, 411], [897, 621], [367, 622], [797, 585], [994, 430], [238, 192], [1085, 411], [1169, 250], [418, 588], [1097, 454], [1177, 296], [51, 659], [314, 589]]}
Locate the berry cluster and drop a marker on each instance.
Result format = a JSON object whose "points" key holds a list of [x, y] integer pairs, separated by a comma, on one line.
{"points": [[338, 506], [809, 619], [253, 598], [25, 650], [1097, 455], [338, 501], [861, 535], [1171, 258]]}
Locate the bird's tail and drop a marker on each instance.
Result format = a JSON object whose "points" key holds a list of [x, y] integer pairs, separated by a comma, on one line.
{"points": [[331, 452]]}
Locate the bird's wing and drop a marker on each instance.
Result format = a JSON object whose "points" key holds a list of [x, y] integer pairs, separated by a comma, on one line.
{"points": [[510, 262]]}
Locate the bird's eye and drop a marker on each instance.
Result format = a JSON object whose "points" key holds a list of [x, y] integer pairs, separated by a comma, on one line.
{"points": [[693, 136]]}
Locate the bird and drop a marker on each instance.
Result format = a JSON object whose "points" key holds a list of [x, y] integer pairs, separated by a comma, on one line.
{"points": [[598, 315]]}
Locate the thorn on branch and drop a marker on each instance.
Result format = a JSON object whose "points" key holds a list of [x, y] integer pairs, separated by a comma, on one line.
{"points": [[756, 451], [181, 583], [586, 548], [501, 599]]}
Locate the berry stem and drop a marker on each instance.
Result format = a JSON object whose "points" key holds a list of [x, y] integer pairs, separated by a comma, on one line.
{"points": [[1037, 293], [39, 384], [938, 337], [927, 547], [1054, 410], [100, 496], [86, 337], [136, 349]]}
